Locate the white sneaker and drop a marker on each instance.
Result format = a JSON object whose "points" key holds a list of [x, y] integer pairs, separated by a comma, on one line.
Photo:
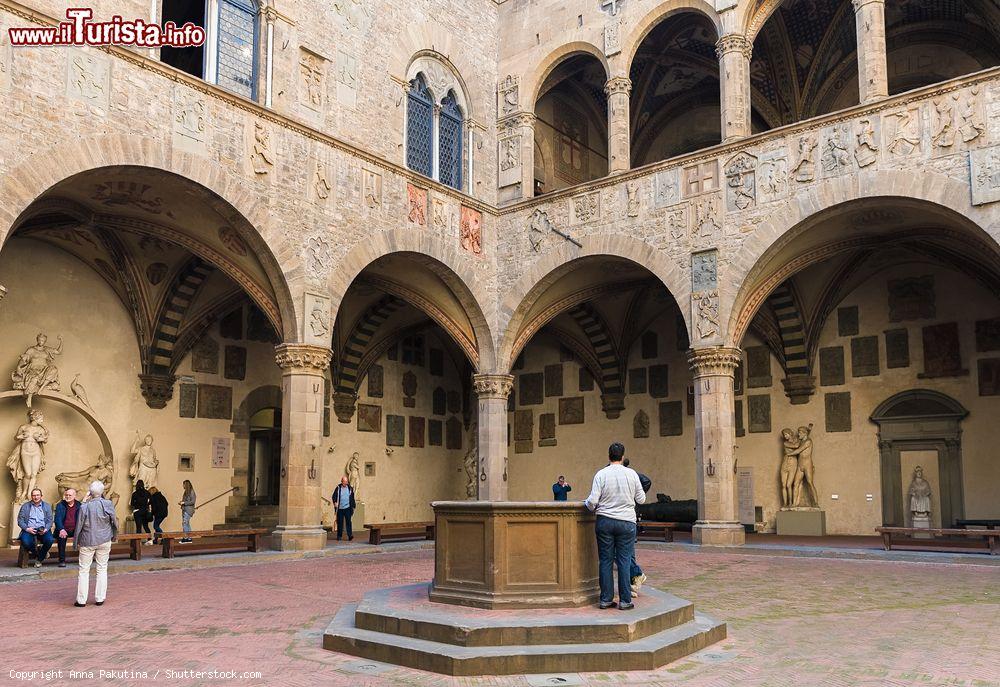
{"points": [[639, 580], [635, 591]]}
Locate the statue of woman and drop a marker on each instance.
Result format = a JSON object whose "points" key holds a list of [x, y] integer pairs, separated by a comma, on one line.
{"points": [[102, 471], [353, 472], [28, 457], [789, 467], [144, 462], [920, 494], [806, 468], [36, 370]]}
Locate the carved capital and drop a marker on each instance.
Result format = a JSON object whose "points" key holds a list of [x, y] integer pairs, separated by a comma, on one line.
{"points": [[613, 405], [714, 362], [157, 389], [617, 85], [302, 359], [493, 386], [734, 42], [799, 387], [344, 404], [517, 120]]}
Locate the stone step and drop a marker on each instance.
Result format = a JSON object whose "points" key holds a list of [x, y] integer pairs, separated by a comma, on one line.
{"points": [[647, 653], [407, 611]]}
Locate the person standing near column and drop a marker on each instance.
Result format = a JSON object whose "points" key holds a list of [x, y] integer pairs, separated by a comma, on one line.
{"points": [[187, 509], [615, 493], [343, 503], [96, 526], [66, 512]]}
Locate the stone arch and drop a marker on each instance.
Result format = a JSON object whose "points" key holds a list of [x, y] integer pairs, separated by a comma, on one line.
{"points": [[524, 293], [754, 21], [659, 14], [39, 172], [449, 263], [981, 225], [545, 67]]}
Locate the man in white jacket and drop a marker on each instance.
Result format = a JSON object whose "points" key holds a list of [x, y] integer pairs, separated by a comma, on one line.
{"points": [[614, 495]]}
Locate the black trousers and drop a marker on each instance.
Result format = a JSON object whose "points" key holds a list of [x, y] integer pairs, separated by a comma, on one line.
{"points": [[141, 522], [61, 543], [344, 516]]}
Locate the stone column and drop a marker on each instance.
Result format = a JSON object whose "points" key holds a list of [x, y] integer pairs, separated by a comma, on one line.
{"points": [[714, 435], [618, 91], [492, 391], [733, 51], [873, 74], [300, 508]]}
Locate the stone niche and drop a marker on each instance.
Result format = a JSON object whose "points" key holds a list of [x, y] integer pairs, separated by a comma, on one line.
{"points": [[514, 555]]}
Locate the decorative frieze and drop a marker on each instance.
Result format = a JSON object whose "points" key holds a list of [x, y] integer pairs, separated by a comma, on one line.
{"points": [[492, 386], [294, 358]]}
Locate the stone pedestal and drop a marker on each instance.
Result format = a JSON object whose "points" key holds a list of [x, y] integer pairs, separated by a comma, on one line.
{"points": [[514, 555], [923, 522], [802, 522]]}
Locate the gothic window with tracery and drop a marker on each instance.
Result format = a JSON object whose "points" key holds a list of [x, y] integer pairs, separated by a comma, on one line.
{"points": [[450, 143]]}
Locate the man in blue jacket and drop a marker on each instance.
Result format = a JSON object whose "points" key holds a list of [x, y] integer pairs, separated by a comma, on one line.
{"points": [[66, 511], [560, 489], [35, 520]]}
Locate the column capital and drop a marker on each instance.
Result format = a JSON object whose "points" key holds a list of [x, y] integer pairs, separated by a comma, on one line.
{"points": [[718, 361], [493, 386], [618, 84], [517, 120], [157, 389], [734, 42], [859, 4], [295, 358]]}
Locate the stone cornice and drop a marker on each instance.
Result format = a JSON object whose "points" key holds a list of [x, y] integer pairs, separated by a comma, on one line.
{"points": [[493, 386], [714, 362], [302, 359]]}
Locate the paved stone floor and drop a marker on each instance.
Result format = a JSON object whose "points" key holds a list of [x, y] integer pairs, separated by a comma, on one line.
{"points": [[792, 621]]}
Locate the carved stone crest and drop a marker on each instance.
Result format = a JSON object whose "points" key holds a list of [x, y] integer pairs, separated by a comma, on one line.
{"points": [[190, 122], [632, 199], [88, 77], [416, 205], [372, 189], [347, 78], [586, 207], [318, 327], [679, 221], [470, 231], [772, 176], [508, 96], [705, 307], [322, 181], [903, 132], [741, 182], [312, 81], [510, 159], [231, 239], [706, 225], [835, 158], [319, 256], [666, 188], [805, 163], [613, 37], [985, 175], [538, 228], [261, 149], [866, 143]]}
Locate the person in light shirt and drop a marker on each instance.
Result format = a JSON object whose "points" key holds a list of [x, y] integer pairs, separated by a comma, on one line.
{"points": [[615, 493]]}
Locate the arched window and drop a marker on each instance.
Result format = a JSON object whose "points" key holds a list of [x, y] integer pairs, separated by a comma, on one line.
{"points": [[450, 143], [420, 128], [436, 117]]}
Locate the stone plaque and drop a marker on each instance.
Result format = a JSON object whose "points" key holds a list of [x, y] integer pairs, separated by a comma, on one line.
{"points": [[369, 418], [409, 389], [897, 348], [831, 366], [417, 427], [439, 401], [942, 355], [188, 405], [454, 402], [215, 402], [989, 377], [395, 430], [586, 381], [553, 380], [659, 381], [744, 495], [838, 412], [571, 411], [205, 356], [911, 299], [704, 271], [640, 425], [530, 387], [671, 419], [988, 335], [864, 356], [985, 175], [524, 447], [637, 380], [738, 376], [738, 417], [759, 409], [847, 321], [435, 362], [435, 431], [758, 367], [524, 421], [235, 365], [231, 326], [453, 434], [376, 375], [650, 345], [546, 429]]}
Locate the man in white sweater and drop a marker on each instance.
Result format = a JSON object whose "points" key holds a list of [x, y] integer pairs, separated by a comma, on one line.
{"points": [[614, 495]]}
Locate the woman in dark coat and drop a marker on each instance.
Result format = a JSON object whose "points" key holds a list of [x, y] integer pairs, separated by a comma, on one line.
{"points": [[140, 510]]}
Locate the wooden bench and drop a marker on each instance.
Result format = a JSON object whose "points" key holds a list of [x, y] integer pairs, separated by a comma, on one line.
{"points": [[992, 537], [988, 524], [130, 544], [649, 529], [214, 540], [399, 530]]}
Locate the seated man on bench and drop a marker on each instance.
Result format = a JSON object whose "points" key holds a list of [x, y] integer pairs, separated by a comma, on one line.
{"points": [[35, 520]]}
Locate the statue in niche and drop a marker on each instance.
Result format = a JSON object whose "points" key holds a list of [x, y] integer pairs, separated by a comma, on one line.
{"points": [[805, 481], [144, 463], [920, 499], [28, 457], [353, 472], [102, 471], [36, 370], [472, 464]]}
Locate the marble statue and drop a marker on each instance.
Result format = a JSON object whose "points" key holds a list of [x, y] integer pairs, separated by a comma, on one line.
{"points": [[79, 393], [805, 476], [28, 457], [144, 466], [36, 370], [472, 465], [789, 466], [101, 471], [920, 499], [353, 472]]}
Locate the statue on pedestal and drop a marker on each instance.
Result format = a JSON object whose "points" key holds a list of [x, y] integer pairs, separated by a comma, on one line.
{"points": [[797, 470], [353, 472], [28, 457], [36, 370], [144, 463], [102, 471], [920, 499]]}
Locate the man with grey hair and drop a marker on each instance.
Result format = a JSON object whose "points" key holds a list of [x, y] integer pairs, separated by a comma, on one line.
{"points": [[96, 526]]}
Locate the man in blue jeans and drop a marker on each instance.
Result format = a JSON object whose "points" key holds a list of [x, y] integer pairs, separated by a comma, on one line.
{"points": [[35, 520], [614, 495]]}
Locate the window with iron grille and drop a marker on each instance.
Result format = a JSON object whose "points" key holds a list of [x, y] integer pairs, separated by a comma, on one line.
{"points": [[237, 47], [450, 143], [420, 128]]}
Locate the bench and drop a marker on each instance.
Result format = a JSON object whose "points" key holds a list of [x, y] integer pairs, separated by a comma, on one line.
{"points": [[988, 524], [992, 537], [213, 540], [130, 544], [657, 530], [399, 530]]}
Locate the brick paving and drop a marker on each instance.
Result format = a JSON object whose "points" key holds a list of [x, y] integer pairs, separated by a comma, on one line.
{"points": [[792, 621]]}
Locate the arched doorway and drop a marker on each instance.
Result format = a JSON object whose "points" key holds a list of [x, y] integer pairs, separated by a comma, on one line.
{"points": [[265, 457], [921, 427]]}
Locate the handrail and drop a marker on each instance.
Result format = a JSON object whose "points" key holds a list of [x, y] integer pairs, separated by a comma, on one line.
{"points": [[326, 500], [215, 498]]}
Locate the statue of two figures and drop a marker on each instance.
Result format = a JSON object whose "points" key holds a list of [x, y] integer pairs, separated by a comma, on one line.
{"points": [[798, 482]]}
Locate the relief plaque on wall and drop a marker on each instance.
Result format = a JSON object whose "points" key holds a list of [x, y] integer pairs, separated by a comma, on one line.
{"points": [[235, 365], [847, 321], [942, 355], [759, 409], [831, 366], [416, 432], [659, 381], [671, 419], [375, 379], [215, 402], [897, 348], [547, 429], [738, 417], [838, 412], [395, 430], [453, 434], [439, 401], [989, 377], [205, 355], [911, 299], [530, 388], [640, 425], [571, 411], [553, 380], [758, 367], [864, 356], [435, 431], [637, 380], [988, 335], [188, 405], [369, 418], [524, 421]]}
